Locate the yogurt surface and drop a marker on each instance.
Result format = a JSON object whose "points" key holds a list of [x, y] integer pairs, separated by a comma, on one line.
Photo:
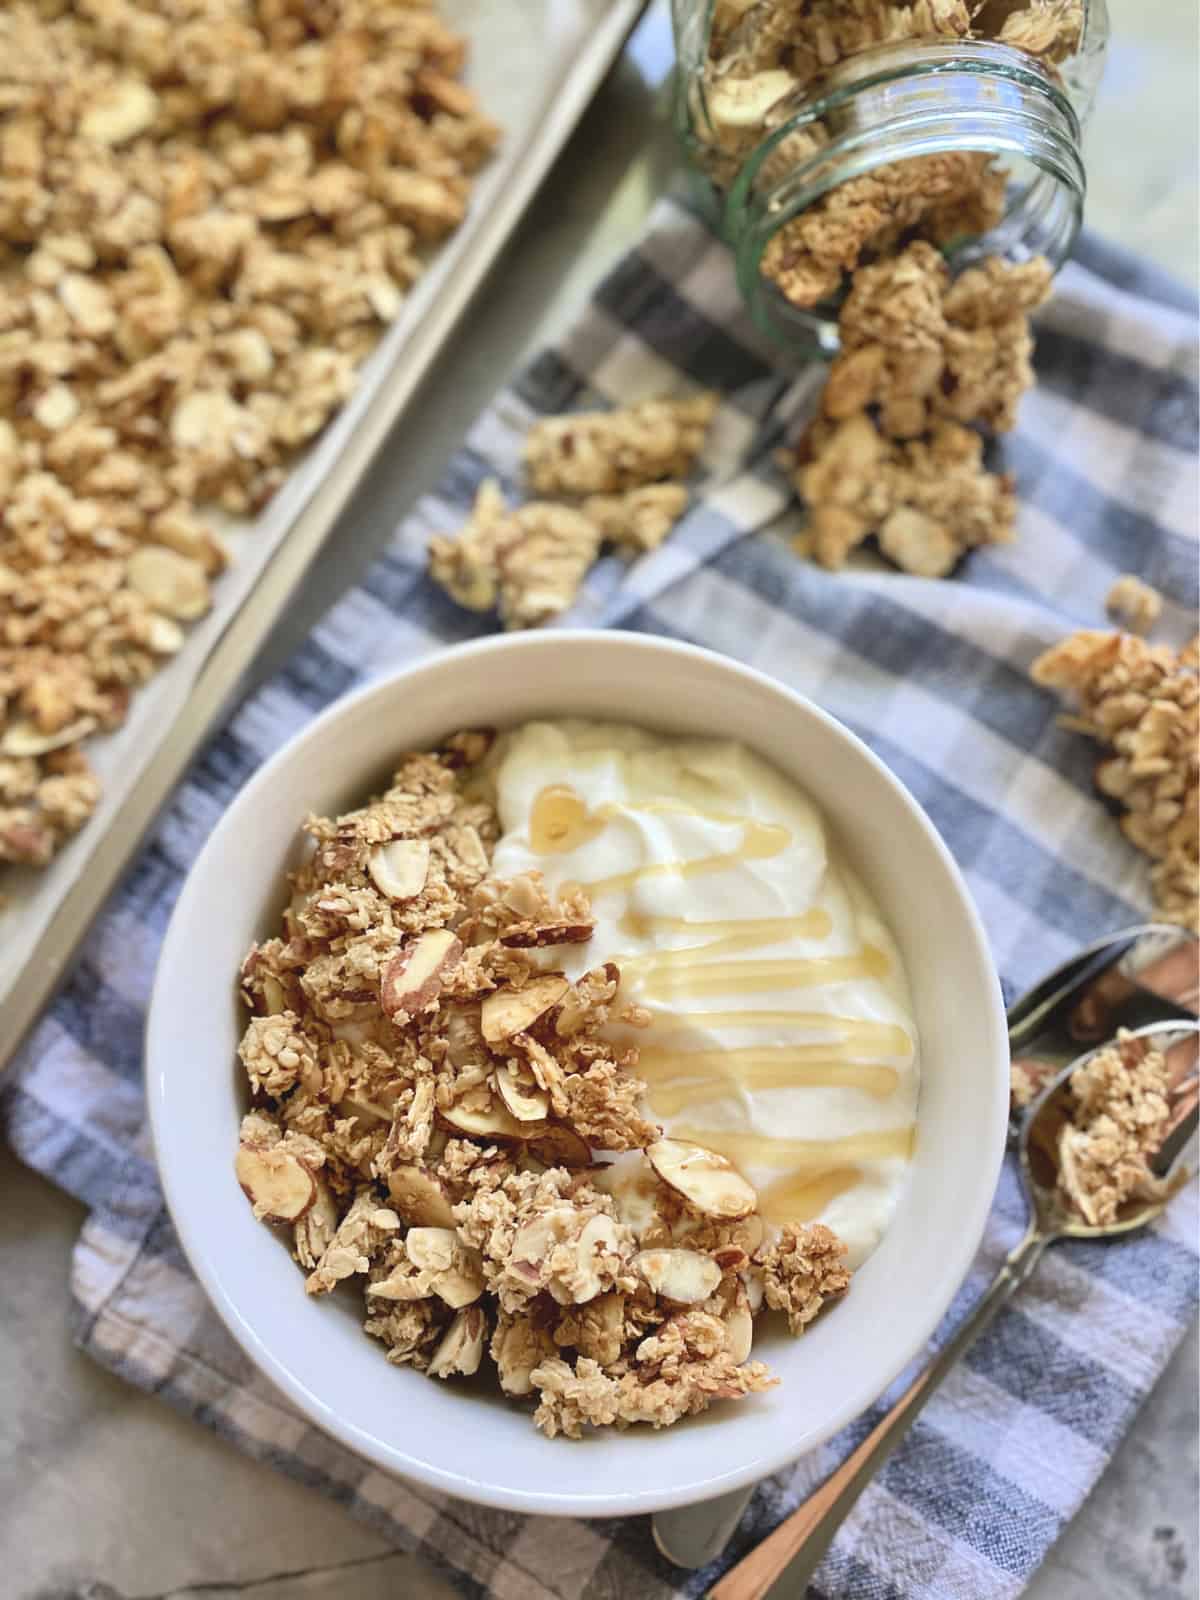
{"points": [[781, 1030]]}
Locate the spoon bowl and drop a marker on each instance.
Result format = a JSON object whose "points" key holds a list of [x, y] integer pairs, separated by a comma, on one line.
{"points": [[1051, 1216]]}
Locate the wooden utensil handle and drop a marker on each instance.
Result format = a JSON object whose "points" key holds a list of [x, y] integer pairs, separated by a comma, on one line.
{"points": [[805, 1536], [755, 1573]]}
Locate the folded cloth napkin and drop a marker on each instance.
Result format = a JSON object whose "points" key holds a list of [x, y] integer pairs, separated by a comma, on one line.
{"points": [[934, 676]]}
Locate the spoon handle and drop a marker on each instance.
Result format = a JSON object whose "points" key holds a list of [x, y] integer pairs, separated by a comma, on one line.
{"points": [[795, 1550]]}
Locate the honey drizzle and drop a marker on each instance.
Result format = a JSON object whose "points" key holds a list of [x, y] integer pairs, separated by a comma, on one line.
{"points": [[888, 1038], [698, 977], [560, 822], [803, 1196], [676, 1079], [805, 1155], [812, 924]]}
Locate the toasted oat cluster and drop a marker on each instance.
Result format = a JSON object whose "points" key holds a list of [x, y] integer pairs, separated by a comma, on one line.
{"points": [[922, 359], [1120, 1112], [429, 1095], [1133, 603], [1143, 701], [891, 454], [766, 57], [208, 213], [613, 476]]}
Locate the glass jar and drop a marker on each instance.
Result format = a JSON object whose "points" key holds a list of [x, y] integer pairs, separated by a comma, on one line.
{"points": [[891, 103]]}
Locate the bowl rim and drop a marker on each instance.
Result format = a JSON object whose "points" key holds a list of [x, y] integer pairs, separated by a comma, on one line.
{"points": [[396, 1461]]}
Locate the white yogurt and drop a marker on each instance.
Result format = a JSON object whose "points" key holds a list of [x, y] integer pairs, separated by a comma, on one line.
{"points": [[782, 1031]]}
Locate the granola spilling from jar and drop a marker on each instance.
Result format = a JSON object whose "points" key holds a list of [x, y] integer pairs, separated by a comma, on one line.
{"points": [[601, 478], [432, 1109], [208, 215], [928, 367], [1143, 702]]}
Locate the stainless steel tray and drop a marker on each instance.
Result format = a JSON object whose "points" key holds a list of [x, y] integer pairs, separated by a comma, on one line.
{"points": [[536, 64]]}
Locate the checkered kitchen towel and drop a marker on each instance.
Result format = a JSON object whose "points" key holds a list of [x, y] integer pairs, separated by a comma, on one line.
{"points": [[933, 677]]}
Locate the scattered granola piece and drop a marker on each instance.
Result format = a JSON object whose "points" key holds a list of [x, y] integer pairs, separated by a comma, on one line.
{"points": [[640, 518], [607, 452], [1143, 701], [1134, 604], [802, 1272], [927, 500]]}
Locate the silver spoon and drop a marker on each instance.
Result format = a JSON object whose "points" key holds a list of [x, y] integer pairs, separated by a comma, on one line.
{"points": [[794, 1551], [1142, 974]]}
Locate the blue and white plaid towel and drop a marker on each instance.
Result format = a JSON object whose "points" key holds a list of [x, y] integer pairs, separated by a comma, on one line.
{"points": [[933, 676]]}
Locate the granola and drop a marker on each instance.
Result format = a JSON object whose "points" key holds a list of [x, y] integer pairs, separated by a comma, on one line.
{"points": [[207, 217], [605, 452], [1133, 603], [1143, 702], [767, 59], [529, 562], [891, 455], [428, 1092], [917, 351], [1119, 1115]]}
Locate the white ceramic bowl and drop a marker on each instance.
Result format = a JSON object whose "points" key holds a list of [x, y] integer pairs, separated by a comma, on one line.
{"points": [[464, 1442]]}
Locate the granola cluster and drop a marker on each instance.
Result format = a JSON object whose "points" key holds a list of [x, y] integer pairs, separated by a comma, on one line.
{"points": [[1143, 702], [603, 478], [1119, 1114], [895, 452], [428, 1095], [766, 59], [927, 366], [208, 213]]}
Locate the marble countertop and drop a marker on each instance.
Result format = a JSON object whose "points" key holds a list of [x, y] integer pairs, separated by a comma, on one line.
{"points": [[105, 1493]]}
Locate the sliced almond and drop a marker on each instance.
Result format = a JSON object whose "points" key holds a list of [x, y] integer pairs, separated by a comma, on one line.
{"points": [[752, 1283], [274, 998], [399, 869], [509, 1011], [26, 739], [521, 1095], [432, 1248], [560, 1146], [56, 408], [684, 1276], [461, 1347], [119, 112], [469, 847], [163, 636], [491, 1121], [744, 102], [277, 1185], [517, 1348], [312, 1234], [174, 584], [412, 979], [599, 1234], [709, 1181], [420, 1198], [454, 1269], [739, 1331], [550, 933]]}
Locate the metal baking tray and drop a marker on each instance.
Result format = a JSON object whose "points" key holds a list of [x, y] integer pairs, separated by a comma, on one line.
{"points": [[535, 64]]}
